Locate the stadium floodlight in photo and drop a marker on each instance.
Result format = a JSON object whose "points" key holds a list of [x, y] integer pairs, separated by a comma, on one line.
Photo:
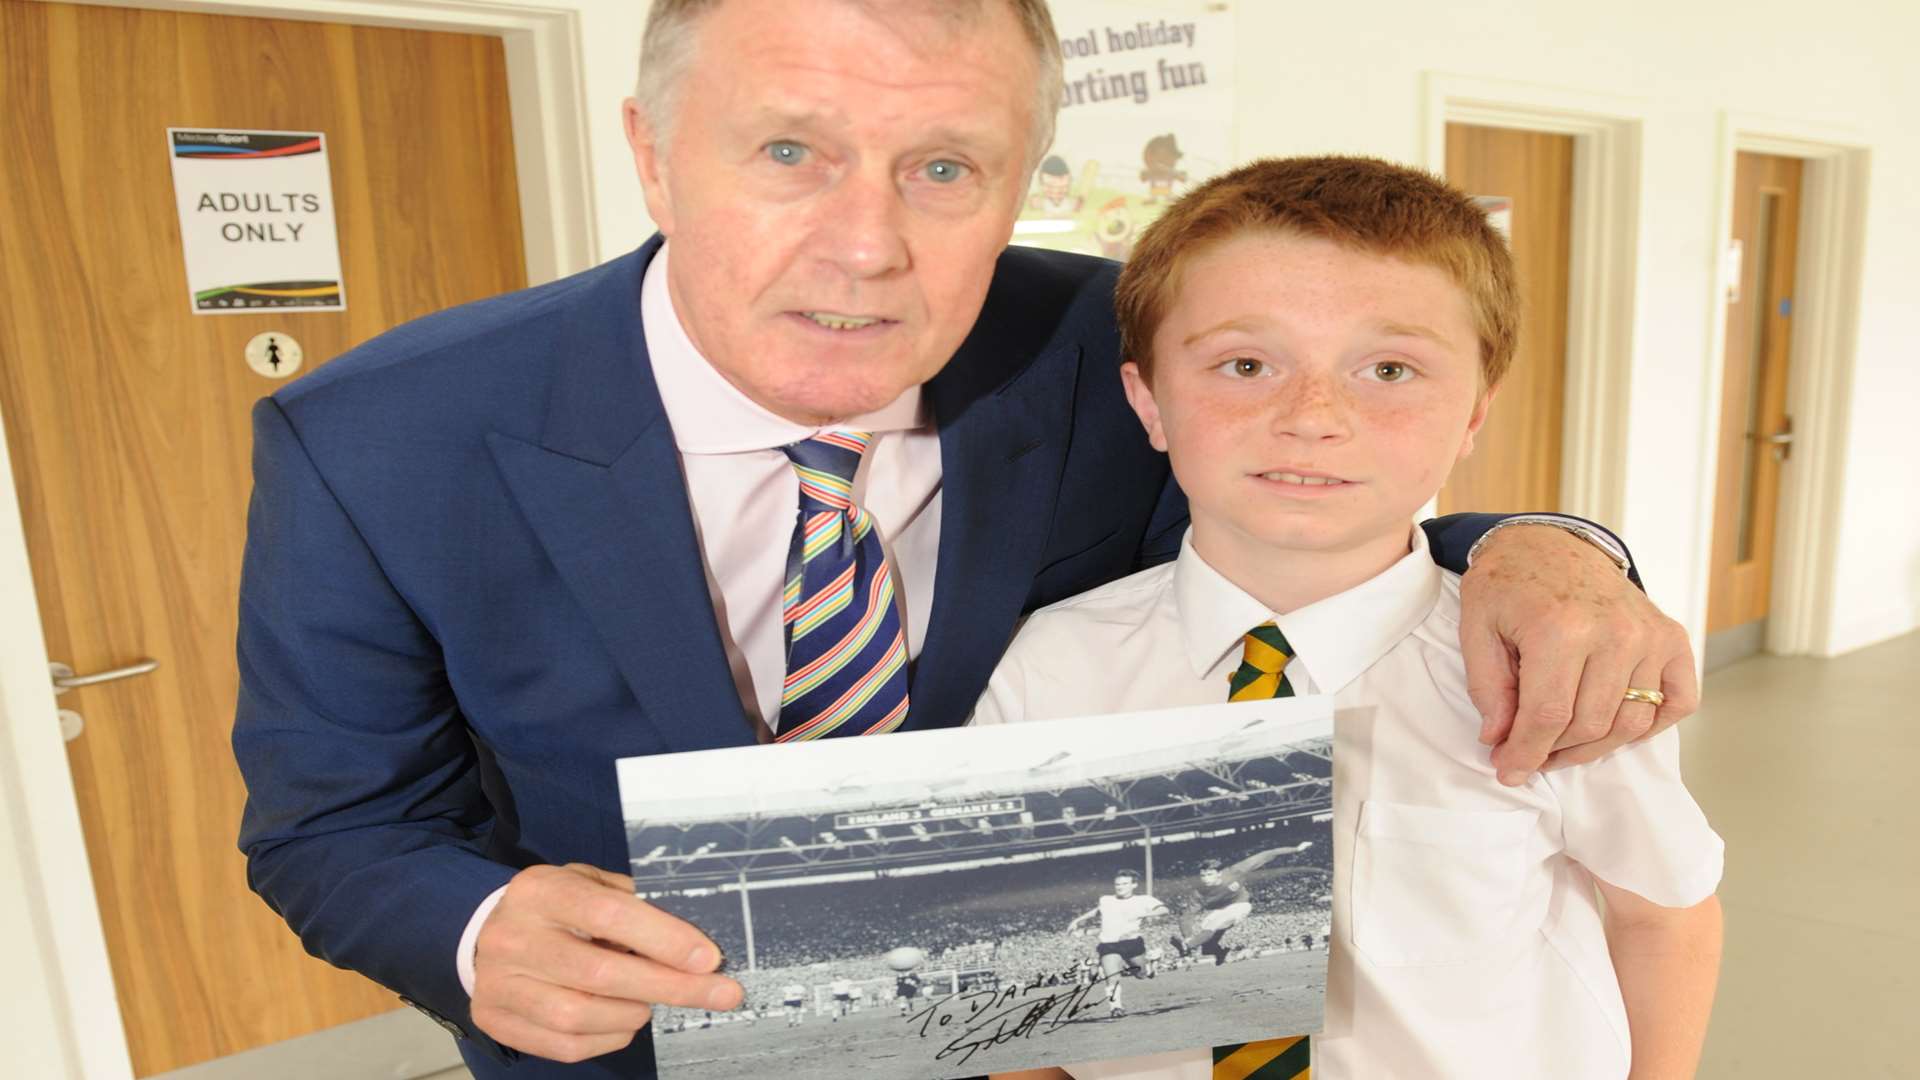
{"points": [[952, 903]]}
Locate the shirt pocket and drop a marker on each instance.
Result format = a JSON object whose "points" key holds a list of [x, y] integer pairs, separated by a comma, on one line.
{"points": [[1433, 887]]}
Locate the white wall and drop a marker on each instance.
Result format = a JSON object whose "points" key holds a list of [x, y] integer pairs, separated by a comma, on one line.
{"points": [[27, 1015], [1842, 65], [1319, 77]]}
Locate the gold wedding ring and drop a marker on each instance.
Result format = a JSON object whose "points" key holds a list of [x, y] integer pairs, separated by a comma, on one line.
{"points": [[1651, 697]]}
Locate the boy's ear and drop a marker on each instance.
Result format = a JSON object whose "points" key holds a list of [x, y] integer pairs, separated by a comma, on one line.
{"points": [[1474, 422], [1140, 396]]}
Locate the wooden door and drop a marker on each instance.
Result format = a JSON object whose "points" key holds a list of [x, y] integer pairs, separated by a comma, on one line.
{"points": [[1515, 464], [1754, 427], [127, 422]]}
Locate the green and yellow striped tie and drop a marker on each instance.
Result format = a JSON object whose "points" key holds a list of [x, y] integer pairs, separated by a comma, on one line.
{"points": [[1260, 676], [1269, 1059], [1263, 663]]}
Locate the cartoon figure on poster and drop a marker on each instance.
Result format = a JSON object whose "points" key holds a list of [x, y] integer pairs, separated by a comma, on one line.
{"points": [[1115, 229], [1161, 155], [1053, 193], [1147, 113]]}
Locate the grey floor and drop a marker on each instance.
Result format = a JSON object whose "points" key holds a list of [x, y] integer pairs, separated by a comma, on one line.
{"points": [[1810, 769]]}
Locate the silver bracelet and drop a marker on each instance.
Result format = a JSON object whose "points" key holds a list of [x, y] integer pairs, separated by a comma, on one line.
{"points": [[1606, 546]]}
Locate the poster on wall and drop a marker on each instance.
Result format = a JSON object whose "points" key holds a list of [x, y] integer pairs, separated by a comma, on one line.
{"points": [[1148, 114], [256, 220]]}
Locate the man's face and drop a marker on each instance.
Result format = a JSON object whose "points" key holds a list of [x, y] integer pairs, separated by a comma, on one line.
{"points": [[1055, 186], [1123, 887], [1209, 877], [838, 183], [1310, 398]]}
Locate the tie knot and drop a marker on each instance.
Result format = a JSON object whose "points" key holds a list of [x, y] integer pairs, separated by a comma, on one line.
{"points": [[1263, 658], [1266, 649], [826, 464]]}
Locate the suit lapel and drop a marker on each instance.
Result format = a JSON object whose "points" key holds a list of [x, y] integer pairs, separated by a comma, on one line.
{"points": [[1001, 452], [603, 491]]}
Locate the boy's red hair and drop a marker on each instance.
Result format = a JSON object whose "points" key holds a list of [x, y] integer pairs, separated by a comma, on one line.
{"points": [[1360, 203]]}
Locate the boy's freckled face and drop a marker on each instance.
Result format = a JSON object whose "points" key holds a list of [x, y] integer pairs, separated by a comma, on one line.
{"points": [[1311, 397]]}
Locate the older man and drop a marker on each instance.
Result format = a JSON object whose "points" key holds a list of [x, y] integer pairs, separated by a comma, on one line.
{"points": [[496, 549]]}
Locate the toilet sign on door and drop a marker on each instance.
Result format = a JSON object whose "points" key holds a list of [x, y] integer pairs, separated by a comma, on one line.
{"points": [[275, 354], [256, 220]]}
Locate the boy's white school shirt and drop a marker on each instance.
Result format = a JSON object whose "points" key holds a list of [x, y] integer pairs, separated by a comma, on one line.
{"points": [[1467, 938]]}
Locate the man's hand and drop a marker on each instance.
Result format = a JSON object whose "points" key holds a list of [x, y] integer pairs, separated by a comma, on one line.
{"points": [[1553, 635], [570, 962]]}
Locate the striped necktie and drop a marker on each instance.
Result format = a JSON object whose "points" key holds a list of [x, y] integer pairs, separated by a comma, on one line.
{"points": [[1260, 676], [1269, 1059], [1263, 662], [846, 654]]}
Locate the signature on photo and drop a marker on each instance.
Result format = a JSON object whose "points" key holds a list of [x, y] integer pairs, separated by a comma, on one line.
{"points": [[980, 1018]]}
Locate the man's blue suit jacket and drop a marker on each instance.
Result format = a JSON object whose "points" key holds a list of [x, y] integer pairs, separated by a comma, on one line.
{"points": [[471, 583]]}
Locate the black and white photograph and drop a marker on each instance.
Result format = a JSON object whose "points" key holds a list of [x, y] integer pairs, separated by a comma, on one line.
{"points": [[957, 902]]}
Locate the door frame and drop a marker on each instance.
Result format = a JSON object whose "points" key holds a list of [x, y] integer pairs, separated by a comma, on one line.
{"points": [[1601, 268], [1826, 319], [79, 1031]]}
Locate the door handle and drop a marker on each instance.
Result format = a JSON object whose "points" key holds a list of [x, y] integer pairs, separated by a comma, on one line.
{"points": [[1781, 441], [64, 679]]}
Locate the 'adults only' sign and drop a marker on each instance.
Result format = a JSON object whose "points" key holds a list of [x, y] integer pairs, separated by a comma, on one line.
{"points": [[256, 220]]}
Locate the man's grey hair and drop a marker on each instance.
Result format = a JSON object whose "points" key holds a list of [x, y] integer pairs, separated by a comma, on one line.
{"points": [[666, 48]]}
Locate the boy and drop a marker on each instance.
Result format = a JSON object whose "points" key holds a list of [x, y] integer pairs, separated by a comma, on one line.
{"points": [[1314, 342]]}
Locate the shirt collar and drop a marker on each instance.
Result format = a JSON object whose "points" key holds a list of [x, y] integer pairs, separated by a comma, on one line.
{"points": [[708, 414], [1334, 639], [1214, 612]]}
